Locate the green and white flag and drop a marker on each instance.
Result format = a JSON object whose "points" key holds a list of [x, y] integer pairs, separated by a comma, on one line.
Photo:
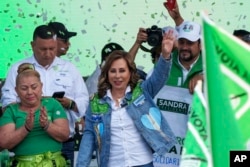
{"points": [[196, 151], [227, 92]]}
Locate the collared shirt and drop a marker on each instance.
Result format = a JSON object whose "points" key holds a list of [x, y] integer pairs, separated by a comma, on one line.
{"points": [[186, 71], [92, 80], [127, 147], [61, 75]]}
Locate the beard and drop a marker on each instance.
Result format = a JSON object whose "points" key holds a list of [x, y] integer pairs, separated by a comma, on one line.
{"points": [[186, 55]]}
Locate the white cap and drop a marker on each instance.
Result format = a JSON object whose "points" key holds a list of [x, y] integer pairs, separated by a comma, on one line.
{"points": [[190, 31]]}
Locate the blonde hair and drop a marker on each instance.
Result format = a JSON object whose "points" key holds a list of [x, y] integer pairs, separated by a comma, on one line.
{"points": [[26, 69]]}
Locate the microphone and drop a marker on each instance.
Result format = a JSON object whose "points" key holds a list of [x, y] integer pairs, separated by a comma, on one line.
{"points": [[124, 103]]}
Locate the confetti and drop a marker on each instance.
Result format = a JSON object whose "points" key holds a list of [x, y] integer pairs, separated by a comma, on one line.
{"points": [[97, 23]]}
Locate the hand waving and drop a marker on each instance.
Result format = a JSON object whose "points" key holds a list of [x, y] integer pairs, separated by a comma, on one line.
{"points": [[167, 43]]}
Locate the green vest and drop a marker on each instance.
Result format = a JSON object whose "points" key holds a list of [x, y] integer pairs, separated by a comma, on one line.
{"points": [[176, 74]]}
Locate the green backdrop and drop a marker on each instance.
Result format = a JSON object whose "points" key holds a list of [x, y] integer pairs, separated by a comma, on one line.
{"points": [[98, 22]]}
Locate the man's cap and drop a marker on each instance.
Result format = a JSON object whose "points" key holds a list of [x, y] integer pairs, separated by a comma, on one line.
{"points": [[44, 32], [61, 31], [240, 32], [108, 48], [190, 31]]}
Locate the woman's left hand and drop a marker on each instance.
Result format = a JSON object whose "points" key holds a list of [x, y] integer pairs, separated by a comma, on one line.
{"points": [[43, 117], [29, 123], [167, 44]]}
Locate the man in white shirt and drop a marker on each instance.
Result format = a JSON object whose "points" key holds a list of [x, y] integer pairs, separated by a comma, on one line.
{"points": [[63, 44]]}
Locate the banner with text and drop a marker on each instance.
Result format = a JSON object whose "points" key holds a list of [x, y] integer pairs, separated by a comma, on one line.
{"points": [[227, 91]]}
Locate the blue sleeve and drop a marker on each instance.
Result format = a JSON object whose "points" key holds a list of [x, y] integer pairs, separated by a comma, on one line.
{"points": [[158, 78], [87, 145]]}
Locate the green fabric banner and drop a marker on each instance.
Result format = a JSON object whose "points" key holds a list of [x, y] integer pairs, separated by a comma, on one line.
{"points": [[226, 76], [227, 90], [196, 147]]}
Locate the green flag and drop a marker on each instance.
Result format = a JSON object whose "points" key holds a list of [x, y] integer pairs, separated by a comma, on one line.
{"points": [[226, 76], [219, 123], [196, 151]]}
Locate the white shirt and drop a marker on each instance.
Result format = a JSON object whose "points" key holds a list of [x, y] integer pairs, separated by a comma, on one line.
{"points": [[185, 71], [92, 81], [61, 75], [127, 147]]}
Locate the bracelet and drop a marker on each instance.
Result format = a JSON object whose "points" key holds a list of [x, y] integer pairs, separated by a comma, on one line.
{"points": [[72, 105], [28, 130], [46, 126]]}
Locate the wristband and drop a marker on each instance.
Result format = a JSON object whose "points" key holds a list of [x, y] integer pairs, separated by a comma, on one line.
{"points": [[72, 106], [28, 130]]}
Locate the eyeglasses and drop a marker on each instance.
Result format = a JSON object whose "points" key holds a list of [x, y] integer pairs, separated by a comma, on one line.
{"points": [[63, 40]]}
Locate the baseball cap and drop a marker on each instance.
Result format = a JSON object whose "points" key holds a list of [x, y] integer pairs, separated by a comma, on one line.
{"points": [[44, 32], [108, 48], [190, 31], [61, 31]]}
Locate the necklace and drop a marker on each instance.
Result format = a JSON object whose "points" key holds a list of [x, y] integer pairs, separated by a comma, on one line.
{"points": [[118, 101]]}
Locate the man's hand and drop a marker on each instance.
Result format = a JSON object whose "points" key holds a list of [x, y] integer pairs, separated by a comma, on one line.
{"points": [[141, 36], [193, 82], [65, 102], [175, 14]]}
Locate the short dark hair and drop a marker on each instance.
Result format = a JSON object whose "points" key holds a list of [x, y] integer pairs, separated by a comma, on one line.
{"points": [[44, 32], [240, 32]]}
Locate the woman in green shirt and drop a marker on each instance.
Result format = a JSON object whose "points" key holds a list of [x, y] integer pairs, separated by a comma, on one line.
{"points": [[34, 128]]}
